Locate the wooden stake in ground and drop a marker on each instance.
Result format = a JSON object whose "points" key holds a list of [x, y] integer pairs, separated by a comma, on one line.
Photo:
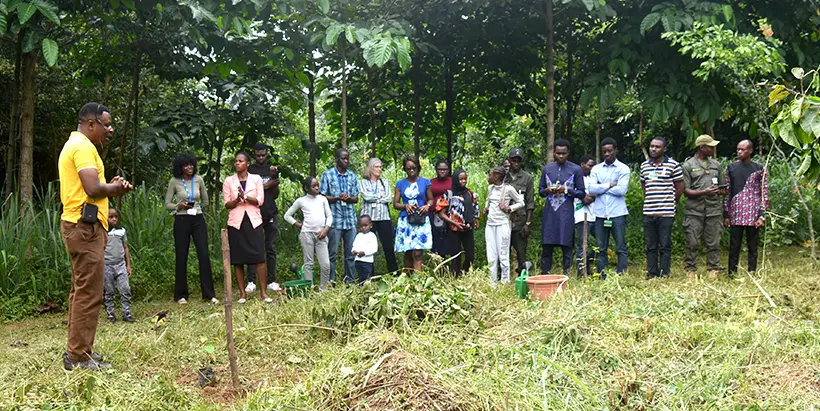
{"points": [[584, 256], [226, 264]]}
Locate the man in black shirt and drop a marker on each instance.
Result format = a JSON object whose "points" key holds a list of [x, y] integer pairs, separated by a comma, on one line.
{"points": [[270, 218]]}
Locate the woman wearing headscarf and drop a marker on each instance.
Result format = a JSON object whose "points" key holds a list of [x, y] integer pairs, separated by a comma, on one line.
{"points": [[458, 207]]}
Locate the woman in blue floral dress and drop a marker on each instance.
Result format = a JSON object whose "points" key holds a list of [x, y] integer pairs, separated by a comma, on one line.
{"points": [[413, 197]]}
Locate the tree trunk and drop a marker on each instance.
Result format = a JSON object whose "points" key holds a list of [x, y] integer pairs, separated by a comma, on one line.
{"points": [[417, 106], [312, 121], [133, 175], [372, 113], [598, 141], [28, 98], [132, 100], [448, 121], [344, 100], [14, 120], [570, 93], [550, 80], [640, 138]]}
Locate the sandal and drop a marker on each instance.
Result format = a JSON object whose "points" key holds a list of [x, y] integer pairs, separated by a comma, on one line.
{"points": [[242, 301], [268, 300]]}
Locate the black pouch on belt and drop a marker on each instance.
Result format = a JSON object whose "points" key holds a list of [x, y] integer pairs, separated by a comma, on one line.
{"points": [[89, 215]]}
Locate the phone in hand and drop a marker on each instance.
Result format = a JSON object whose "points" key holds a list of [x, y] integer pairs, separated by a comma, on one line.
{"points": [[722, 186], [191, 204]]}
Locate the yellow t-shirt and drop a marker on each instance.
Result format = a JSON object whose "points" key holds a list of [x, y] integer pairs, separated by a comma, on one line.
{"points": [[80, 153]]}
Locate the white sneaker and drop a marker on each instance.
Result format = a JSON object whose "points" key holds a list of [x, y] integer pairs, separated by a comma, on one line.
{"points": [[242, 301], [214, 301], [251, 287], [274, 286], [182, 301]]}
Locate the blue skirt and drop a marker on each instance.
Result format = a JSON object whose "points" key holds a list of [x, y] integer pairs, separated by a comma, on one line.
{"points": [[413, 237]]}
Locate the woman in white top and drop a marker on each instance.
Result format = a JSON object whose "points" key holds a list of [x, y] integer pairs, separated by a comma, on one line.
{"points": [[315, 224], [502, 199], [376, 196]]}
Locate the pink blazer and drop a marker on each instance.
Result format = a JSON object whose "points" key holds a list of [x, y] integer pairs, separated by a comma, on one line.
{"points": [[254, 188]]}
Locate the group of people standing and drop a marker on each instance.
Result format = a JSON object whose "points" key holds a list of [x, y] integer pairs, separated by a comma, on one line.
{"points": [[441, 215], [735, 198]]}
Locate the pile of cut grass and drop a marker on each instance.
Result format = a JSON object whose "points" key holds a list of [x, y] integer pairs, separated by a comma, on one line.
{"points": [[625, 343]]}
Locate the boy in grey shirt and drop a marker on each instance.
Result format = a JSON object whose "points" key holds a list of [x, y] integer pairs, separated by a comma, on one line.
{"points": [[117, 269]]}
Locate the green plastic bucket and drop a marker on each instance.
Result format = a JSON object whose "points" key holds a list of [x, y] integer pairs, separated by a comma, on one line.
{"points": [[298, 288]]}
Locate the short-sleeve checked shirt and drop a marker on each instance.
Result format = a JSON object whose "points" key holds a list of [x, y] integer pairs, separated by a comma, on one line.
{"points": [[333, 184], [659, 180]]}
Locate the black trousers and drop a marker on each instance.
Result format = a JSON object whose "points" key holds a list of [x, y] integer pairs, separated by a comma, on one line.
{"points": [[364, 271], [519, 243], [387, 235], [186, 227], [462, 241], [657, 233], [271, 227], [735, 242], [546, 257]]}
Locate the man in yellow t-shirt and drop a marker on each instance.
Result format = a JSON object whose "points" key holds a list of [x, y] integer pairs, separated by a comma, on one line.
{"points": [[82, 182]]}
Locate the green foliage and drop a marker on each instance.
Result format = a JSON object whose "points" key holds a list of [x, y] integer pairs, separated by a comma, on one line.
{"points": [[50, 51], [798, 121], [401, 301]]}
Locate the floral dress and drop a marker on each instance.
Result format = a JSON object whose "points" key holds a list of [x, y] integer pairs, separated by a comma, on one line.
{"points": [[413, 237]]}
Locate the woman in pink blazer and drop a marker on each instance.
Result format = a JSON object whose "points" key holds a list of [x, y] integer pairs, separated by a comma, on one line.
{"points": [[243, 194]]}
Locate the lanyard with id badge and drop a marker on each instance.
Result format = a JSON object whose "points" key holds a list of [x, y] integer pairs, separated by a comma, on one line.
{"points": [[191, 210]]}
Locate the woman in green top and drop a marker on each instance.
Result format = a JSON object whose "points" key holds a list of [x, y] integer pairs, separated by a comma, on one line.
{"points": [[186, 198]]}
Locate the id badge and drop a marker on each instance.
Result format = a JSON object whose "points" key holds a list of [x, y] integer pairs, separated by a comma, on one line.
{"points": [[653, 176], [714, 181], [608, 223], [191, 211]]}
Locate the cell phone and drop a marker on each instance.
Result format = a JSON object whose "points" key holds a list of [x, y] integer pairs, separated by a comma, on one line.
{"points": [[191, 204], [722, 186]]}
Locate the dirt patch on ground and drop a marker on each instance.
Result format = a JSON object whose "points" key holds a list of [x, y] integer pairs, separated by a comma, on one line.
{"points": [[793, 378], [398, 380]]}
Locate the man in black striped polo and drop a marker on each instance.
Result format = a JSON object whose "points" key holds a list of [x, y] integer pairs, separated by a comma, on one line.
{"points": [[662, 183]]}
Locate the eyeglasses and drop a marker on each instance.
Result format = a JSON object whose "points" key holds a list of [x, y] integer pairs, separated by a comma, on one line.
{"points": [[107, 126]]}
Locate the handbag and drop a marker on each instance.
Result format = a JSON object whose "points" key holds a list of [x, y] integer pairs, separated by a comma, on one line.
{"points": [[416, 218]]}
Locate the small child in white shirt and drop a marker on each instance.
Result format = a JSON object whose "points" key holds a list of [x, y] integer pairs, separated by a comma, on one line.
{"points": [[317, 219], [365, 245]]}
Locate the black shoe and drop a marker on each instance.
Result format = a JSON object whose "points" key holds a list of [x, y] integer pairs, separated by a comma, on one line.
{"points": [[91, 364], [111, 318], [128, 318]]}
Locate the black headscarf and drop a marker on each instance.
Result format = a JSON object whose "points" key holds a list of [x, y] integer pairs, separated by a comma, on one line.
{"points": [[459, 190]]}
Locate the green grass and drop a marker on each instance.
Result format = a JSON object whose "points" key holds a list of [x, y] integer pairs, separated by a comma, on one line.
{"points": [[625, 343]]}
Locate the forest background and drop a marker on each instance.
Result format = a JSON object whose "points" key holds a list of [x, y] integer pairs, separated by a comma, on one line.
{"points": [[463, 80]]}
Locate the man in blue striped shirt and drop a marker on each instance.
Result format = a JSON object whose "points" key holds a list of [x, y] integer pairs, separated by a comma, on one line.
{"points": [[662, 184], [341, 187]]}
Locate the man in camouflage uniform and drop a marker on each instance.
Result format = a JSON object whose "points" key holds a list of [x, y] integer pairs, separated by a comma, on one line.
{"points": [[704, 187]]}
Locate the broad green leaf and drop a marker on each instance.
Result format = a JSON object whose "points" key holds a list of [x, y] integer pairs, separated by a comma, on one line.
{"points": [[668, 23], [796, 109], [332, 34], [798, 73], [115, 4], [403, 47], [224, 70], [237, 25], [50, 51], [589, 4], [3, 24], [728, 12], [29, 41], [303, 78], [324, 6], [128, 3], [649, 21], [363, 35], [778, 93], [25, 11], [289, 54], [378, 52], [350, 34], [786, 132], [804, 166], [808, 121], [48, 10], [210, 349]]}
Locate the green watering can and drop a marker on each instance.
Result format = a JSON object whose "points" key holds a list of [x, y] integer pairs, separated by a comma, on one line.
{"points": [[521, 288]]}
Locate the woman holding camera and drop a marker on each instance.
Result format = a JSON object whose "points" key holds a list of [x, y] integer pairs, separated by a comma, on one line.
{"points": [[186, 198]]}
